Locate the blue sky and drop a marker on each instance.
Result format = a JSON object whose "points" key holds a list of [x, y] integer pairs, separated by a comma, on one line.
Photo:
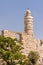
{"points": [[12, 14]]}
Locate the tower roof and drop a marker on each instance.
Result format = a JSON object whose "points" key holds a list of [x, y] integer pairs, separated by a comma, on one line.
{"points": [[28, 12]]}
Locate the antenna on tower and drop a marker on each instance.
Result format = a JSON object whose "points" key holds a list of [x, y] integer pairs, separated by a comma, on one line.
{"points": [[27, 8]]}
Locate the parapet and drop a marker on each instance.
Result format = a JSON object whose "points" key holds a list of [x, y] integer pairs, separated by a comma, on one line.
{"points": [[11, 34]]}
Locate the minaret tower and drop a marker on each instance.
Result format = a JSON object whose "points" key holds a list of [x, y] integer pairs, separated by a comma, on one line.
{"points": [[28, 23]]}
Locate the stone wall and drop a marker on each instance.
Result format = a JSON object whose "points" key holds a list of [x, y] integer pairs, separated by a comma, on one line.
{"points": [[11, 34], [7, 33]]}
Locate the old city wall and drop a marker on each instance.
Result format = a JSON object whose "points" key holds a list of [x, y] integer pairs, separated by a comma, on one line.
{"points": [[11, 34], [29, 42]]}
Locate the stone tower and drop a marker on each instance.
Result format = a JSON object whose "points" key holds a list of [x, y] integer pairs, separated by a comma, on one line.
{"points": [[28, 23], [27, 37]]}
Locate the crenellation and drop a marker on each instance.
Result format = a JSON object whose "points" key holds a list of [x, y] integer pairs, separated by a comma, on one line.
{"points": [[7, 33]]}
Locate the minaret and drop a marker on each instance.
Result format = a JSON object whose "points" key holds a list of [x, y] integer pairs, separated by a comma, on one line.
{"points": [[28, 23]]}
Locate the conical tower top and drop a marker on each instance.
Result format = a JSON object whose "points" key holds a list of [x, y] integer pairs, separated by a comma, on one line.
{"points": [[28, 12]]}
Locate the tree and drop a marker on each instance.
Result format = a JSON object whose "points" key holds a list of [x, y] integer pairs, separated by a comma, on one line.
{"points": [[10, 51], [33, 57]]}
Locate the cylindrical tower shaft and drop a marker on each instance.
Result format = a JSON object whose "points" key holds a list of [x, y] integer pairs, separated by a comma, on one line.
{"points": [[28, 23]]}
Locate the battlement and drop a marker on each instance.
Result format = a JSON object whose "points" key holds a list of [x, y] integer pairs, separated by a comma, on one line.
{"points": [[11, 34]]}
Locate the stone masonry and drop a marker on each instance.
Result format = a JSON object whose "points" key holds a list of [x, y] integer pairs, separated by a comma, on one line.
{"points": [[27, 37]]}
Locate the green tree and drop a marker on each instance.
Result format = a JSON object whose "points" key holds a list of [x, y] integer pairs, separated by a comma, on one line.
{"points": [[10, 51]]}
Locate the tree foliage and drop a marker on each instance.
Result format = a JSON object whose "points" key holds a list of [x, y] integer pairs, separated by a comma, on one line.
{"points": [[10, 51], [33, 57]]}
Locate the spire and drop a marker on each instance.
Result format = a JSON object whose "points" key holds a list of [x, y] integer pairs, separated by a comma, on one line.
{"points": [[28, 12]]}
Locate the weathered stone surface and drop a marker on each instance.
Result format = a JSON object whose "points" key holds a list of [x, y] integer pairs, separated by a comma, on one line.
{"points": [[29, 42]]}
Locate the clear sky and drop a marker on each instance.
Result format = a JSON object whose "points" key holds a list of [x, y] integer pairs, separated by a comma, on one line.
{"points": [[12, 15]]}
